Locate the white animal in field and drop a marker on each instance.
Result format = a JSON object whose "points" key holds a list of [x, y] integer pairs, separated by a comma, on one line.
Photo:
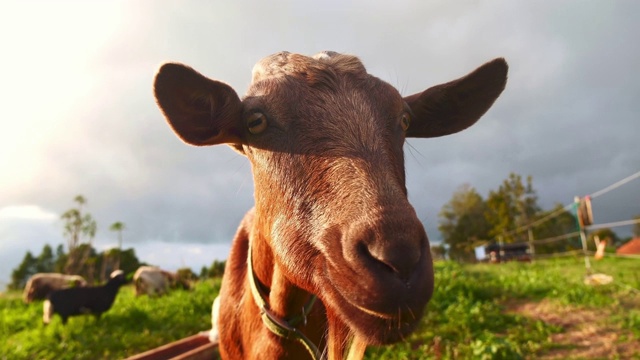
{"points": [[152, 280]]}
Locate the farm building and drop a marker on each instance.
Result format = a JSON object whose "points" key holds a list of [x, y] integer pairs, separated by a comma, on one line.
{"points": [[632, 247], [507, 252]]}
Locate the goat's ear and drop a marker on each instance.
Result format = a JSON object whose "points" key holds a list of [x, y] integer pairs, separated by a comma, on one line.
{"points": [[200, 111], [448, 108]]}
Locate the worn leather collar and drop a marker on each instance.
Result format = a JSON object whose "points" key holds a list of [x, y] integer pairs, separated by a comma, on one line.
{"points": [[281, 327]]}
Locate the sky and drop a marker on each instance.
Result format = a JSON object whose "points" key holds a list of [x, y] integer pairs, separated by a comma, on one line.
{"points": [[77, 113]]}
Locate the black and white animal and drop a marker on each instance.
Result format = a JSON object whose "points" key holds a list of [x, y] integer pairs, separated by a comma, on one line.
{"points": [[83, 300]]}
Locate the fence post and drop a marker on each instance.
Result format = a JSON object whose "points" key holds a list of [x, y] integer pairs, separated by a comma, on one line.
{"points": [[583, 233], [501, 249], [532, 249]]}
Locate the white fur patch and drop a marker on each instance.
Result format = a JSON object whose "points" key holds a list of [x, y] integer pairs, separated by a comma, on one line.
{"points": [[214, 336], [47, 312], [325, 55]]}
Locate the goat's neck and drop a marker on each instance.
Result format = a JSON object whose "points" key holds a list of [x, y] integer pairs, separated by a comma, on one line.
{"points": [[342, 344], [287, 301], [284, 298]]}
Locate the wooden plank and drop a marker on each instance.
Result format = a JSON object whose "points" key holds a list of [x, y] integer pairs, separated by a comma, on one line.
{"points": [[195, 347], [205, 352]]}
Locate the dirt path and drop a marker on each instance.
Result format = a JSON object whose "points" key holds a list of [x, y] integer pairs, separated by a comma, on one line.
{"points": [[587, 334]]}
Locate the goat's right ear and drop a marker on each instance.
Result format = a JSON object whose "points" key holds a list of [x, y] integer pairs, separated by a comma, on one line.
{"points": [[454, 106], [200, 111]]}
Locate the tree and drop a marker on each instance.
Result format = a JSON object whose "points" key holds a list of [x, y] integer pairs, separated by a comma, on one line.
{"points": [[636, 227], [78, 226], [128, 261], [215, 270], [562, 222], [463, 224], [204, 273], [46, 260], [21, 274], [86, 266], [118, 227], [513, 205], [61, 259], [186, 273], [49, 262]]}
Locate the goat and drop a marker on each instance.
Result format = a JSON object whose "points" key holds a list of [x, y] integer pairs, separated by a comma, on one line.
{"points": [[332, 257], [83, 300], [40, 285], [152, 280]]}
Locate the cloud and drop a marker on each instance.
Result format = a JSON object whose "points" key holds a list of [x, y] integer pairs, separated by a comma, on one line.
{"points": [[30, 212]]}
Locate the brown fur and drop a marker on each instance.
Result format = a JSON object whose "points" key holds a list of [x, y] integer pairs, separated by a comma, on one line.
{"points": [[40, 285], [331, 217]]}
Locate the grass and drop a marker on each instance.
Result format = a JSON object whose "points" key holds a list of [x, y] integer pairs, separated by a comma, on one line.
{"points": [[468, 317], [131, 326]]}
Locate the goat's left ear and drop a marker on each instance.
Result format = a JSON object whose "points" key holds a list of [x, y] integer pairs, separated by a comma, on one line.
{"points": [[448, 108]]}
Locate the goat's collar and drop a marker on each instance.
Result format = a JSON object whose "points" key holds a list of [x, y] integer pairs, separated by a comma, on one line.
{"points": [[281, 327]]}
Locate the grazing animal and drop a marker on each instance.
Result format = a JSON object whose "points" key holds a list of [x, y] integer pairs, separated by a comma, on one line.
{"points": [[332, 257], [41, 285], [151, 280], [83, 300]]}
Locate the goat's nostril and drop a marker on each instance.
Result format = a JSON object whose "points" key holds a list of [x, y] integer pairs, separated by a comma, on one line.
{"points": [[381, 261], [399, 260]]}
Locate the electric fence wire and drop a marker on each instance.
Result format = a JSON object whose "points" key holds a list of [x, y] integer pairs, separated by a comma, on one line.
{"points": [[560, 211], [615, 185], [555, 238], [613, 224]]}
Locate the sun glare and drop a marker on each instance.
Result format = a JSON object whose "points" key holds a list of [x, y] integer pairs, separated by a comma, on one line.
{"points": [[48, 65]]}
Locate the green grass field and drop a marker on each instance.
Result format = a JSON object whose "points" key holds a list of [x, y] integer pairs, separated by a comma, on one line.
{"points": [[131, 326], [469, 317], [475, 314]]}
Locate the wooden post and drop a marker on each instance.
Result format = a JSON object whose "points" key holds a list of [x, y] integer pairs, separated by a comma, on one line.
{"points": [[583, 233], [532, 249]]}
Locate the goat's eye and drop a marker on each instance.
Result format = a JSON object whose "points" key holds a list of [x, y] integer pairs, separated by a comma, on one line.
{"points": [[405, 121], [257, 123]]}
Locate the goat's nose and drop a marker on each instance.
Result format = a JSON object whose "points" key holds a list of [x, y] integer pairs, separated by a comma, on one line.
{"points": [[400, 258]]}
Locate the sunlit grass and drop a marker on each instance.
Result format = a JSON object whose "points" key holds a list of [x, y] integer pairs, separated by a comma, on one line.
{"points": [[131, 326], [466, 319]]}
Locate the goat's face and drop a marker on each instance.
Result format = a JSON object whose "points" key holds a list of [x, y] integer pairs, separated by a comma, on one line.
{"points": [[329, 173], [325, 140]]}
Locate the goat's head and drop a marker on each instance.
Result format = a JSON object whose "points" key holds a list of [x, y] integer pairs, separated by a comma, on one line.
{"points": [[325, 140]]}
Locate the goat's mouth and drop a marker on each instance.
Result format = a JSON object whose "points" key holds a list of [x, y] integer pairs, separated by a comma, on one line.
{"points": [[378, 311], [375, 313], [372, 325]]}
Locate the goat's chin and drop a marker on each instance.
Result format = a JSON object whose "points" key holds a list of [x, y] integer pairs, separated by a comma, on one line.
{"points": [[372, 327]]}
